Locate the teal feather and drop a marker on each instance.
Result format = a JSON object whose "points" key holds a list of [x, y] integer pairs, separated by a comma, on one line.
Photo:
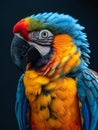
{"points": [[88, 93], [20, 107], [95, 85], [85, 113], [94, 91]]}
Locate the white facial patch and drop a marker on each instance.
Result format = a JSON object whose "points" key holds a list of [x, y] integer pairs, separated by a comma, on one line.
{"points": [[42, 49]]}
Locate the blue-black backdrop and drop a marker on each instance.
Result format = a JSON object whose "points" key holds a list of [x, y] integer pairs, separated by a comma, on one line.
{"points": [[13, 10]]}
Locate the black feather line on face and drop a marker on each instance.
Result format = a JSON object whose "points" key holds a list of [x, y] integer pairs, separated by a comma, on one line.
{"points": [[39, 42]]}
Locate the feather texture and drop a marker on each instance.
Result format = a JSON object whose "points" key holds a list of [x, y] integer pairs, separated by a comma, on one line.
{"points": [[21, 105], [54, 104], [88, 93]]}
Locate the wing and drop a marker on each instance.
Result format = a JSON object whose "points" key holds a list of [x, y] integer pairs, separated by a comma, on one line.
{"points": [[21, 106], [87, 86]]}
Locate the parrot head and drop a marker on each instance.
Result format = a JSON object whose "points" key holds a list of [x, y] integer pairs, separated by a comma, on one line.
{"points": [[49, 42]]}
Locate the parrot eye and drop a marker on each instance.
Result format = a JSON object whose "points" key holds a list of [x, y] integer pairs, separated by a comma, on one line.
{"points": [[43, 34], [40, 35]]}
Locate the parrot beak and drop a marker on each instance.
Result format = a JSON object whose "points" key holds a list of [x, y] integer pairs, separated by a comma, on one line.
{"points": [[22, 53]]}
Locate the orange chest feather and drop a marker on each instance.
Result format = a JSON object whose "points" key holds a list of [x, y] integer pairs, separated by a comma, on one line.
{"points": [[54, 105]]}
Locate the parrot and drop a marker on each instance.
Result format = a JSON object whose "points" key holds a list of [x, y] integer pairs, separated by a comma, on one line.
{"points": [[57, 90]]}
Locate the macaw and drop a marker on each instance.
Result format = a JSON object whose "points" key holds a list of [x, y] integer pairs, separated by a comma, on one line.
{"points": [[57, 90]]}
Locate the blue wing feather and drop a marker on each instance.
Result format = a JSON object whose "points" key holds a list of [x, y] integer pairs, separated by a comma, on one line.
{"points": [[87, 85], [21, 105], [86, 115], [25, 106]]}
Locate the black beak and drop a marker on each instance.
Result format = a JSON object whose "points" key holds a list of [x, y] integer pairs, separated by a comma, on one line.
{"points": [[23, 53]]}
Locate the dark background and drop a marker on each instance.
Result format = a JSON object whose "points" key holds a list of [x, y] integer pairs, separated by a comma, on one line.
{"points": [[13, 10]]}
